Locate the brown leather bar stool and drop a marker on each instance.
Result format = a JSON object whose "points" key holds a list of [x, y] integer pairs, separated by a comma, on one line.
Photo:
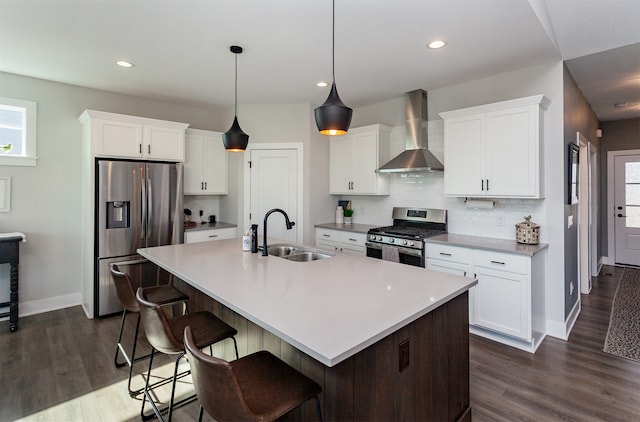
{"points": [[258, 387], [163, 295], [166, 336]]}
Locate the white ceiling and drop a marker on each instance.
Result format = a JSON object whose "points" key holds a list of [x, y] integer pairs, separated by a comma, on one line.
{"points": [[181, 48]]}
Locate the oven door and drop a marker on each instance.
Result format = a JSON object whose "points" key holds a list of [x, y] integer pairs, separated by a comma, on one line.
{"points": [[407, 256]]}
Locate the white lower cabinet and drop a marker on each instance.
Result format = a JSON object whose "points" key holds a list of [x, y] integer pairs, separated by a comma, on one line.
{"points": [[507, 304], [209, 235], [341, 241]]}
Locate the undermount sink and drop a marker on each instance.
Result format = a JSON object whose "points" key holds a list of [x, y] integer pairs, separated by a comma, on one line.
{"points": [[280, 250], [307, 256], [296, 253]]}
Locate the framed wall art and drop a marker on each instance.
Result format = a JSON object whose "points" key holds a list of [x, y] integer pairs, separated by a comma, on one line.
{"points": [[574, 173]]}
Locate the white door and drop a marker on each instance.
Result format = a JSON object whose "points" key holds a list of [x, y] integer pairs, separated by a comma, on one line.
{"points": [[627, 209], [274, 184]]}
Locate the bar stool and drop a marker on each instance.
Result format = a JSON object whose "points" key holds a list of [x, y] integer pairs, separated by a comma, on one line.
{"points": [[258, 387], [164, 295], [166, 336]]}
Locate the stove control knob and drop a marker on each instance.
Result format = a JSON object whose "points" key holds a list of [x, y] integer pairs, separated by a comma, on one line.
{"points": [[380, 238], [411, 243], [404, 242], [391, 240], [372, 237]]}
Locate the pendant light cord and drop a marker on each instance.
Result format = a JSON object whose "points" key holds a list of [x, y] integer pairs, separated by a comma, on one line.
{"points": [[333, 41], [236, 86]]}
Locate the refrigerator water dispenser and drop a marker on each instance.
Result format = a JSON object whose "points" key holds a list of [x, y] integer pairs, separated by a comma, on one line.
{"points": [[118, 215]]}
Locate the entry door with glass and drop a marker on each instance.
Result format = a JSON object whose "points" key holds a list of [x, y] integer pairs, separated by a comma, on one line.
{"points": [[627, 209]]}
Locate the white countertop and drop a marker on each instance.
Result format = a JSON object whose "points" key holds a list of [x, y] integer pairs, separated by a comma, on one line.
{"points": [[354, 227], [488, 243], [330, 309], [210, 226]]}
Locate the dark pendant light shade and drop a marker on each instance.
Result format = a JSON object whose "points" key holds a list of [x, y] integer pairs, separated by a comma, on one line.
{"points": [[235, 140], [333, 117]]}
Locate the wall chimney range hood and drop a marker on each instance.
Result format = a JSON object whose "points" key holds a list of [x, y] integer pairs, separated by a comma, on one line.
{"points": [[417, 157]]}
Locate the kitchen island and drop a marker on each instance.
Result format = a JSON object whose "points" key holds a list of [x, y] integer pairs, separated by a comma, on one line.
{"points": [[385, 341]]}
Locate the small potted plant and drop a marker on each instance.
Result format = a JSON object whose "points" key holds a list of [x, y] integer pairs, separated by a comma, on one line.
{"points": [[348, 215]]}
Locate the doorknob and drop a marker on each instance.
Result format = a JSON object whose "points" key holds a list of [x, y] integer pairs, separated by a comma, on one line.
{"points": [[620, 215]]}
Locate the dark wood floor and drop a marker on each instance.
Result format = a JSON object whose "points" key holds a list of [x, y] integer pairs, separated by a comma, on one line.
{"points": [[59, 367]]}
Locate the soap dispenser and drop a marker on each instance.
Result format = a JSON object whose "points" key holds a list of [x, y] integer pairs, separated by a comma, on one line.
{"points": [[254, 238]]}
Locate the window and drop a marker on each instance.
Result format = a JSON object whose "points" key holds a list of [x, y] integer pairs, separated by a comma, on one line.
{"points": [[18, 122]]}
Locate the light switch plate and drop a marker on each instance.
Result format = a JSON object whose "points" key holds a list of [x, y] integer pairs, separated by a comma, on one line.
{"points": [[569, 221]]}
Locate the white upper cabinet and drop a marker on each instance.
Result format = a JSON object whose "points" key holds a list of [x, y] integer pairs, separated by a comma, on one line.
{"points": [[496, 150], [353, 159], [205, 166], [121, 136]]}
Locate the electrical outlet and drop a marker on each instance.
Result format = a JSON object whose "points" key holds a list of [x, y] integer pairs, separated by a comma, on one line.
{"points": [[571, 289], [500, 220]]}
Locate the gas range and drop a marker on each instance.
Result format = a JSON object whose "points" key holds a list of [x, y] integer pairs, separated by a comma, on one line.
{"points": [[404, 240]]}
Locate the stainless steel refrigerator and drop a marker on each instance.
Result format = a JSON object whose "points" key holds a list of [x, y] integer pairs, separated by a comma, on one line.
{"points": [[138, 204]]}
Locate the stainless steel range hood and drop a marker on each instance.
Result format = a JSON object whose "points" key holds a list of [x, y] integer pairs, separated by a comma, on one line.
{"points": [[417, 156]]}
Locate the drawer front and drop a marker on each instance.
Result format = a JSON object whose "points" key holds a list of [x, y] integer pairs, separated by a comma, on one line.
{"points": [[447, 253], [327, 234], [502, 261], [208, 235], [354, 239]]}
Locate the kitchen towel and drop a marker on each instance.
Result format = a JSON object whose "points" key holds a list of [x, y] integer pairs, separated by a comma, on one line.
{"points": [[479, 203], [389, 253]]}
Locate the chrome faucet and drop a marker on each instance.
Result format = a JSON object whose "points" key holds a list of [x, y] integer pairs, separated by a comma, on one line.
{"points": [[288, 223]]}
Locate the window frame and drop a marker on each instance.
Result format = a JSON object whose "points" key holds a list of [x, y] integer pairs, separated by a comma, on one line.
{"points": [[29, 157]]}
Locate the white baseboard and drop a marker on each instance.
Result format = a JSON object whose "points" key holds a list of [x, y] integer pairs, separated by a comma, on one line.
{"points": [[562, 330], [47, 305], [608, 261]]}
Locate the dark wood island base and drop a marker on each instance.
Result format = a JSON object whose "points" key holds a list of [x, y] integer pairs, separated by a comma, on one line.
{"points": [[418, 373]]}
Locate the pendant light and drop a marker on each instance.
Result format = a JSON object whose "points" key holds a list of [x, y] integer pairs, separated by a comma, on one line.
{"points": [[333, 117], [235, 139]]}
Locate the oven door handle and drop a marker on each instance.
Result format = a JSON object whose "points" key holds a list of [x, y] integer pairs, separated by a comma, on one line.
{"points": [[401, 250]]}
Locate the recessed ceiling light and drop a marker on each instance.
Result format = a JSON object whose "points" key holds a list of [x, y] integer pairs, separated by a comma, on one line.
{"points": [[436, 44], [124, 63], [620, 105], [321, 84]]}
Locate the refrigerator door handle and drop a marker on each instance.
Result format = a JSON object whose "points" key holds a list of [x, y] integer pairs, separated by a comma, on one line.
{"points": [[149, 205], [143, 204]]}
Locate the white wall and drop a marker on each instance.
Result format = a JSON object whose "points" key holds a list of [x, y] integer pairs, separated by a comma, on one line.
{"points": [[45, 200], [427, 190], [283, 123]]}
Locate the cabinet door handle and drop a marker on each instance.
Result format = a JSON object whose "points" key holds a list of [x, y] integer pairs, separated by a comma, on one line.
{"points": [[445, 254], [353, 240], [213, 235], [326, 235], [149, 149], [205, 185], [201, 185], [498, 262], [482, 184], [464, 273], [620, 215], [487, 185], [140, 148]]}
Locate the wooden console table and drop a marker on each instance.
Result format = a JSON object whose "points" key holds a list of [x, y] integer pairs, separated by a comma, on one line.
{"points": [[10, 254]]}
